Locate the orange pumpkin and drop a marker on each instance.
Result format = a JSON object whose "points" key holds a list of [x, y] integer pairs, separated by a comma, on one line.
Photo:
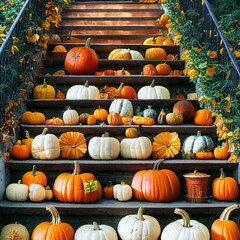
{"points": [[175, 72], [20, 151], [163, 20], [155, 54], [28, 140], [163, 69], [109, 73], [59, 73], [156, 185], [33, 118], [81, 60], [114, 118], [225, 188], [73, 145], [149, 70], [178, 96], [222, 152], [170, 57], [166, 145], [127, 92], [54, 121], [108, 191], [101, 114], [131, 133], [59, 51], [35, 177], [143, 120], [122, 72], [91, 120], [77, 187], [203, 118], [168, 42], [126, 120], [155, 40], [54, 230], [225, 229], [186, 109], [109, 92], [204, 155], [60, 95]]}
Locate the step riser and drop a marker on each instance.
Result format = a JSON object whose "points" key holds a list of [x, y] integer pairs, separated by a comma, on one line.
{"points": [[137, 19], [112, 6], [111, 14]]}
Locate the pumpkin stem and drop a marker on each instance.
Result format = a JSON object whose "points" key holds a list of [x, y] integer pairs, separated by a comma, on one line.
{"points": [[106, 134], [99, 107], [222, 173], [195, 171], [19, 142], [138, 111], [77, 169], [68, 107], [14, 135], [55, 215], [44, 83], [227, 212], [184, 214], [69, 35], [122, 183], [154, 38], [34, 171], [157, 164], [44, 131], [96, 227], [19, 181], [149, 107], [120, 87], [140, 214], [47, 188], [86, 84], [87, 44], [123, 72], [27, 134], [153, 83], [199, 133]]}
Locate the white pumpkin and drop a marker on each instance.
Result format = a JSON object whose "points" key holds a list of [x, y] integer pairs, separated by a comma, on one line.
{"points": [[20, 230], [70, 117], [122, 106], [185, 229], [95, 232], [45, 146], [104, 147], [83, 92], [153, 92], [139, 227], [135, 55], [17, 192], [136, 148], [36, 192], [122, 192]]}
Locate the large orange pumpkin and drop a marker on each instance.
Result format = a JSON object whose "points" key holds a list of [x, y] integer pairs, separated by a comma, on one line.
{"points": [[223, 228], [203, 118], [77, 187], [156, 185], [73, 145], [225, 188], [54, 230], [35, 177], [186, 109], [166, 145], [81, 60]]}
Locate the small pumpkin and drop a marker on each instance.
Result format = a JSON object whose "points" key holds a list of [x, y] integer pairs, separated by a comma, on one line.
{"points": [[28, 140], [163, 20], [108, 191], [114, 118], [60, 95], [186, 109], [162, 118], [168, 42], [17, 192], [59, 73], [225, 188], [166, 145], [150, 113], [174, 72], [70, 116], [143, 120], [109, 72], [122, 72], [54, 121], [222, 152], [73, 145], [131, 133], [44, 91], [91, 120], [155, 40], [155, 54], [83, 118], [34, 176], [163, 69], [55, 38], [125, 54], [48, 193], [122, 106], [203, 118], [59, 52], [20, 151], [149, 70], [56, 229], [122, 192], [127, 92], [174, 119], [101, 114], [126, 120], [204, 155], [178, 96], [109, 92], [36, 192]]}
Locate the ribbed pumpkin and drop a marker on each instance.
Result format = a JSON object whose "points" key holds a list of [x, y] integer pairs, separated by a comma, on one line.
{"points": [[122, 72], [166, 145], [222, 152], [36, 177], [73, 145], [155, 54], [225, 188], [125, 54], [131, 133], [77, 187], [54, 230], [204, 155], [54, 121], [81, 60], [149, 70], [163, 69], [225, 229], [28, 140], [126, 92], [101, 114], [155, 40], [33, 118], [138, 120], [203, 118], [20, 151], [122, 106], [44, 91], [156, 185], [114, 118]]}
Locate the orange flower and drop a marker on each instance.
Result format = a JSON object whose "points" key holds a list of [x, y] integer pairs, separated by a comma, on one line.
{"points": [[212, 54], [210, 71]]}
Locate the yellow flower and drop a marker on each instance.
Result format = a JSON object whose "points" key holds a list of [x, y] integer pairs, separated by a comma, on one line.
{"points": [[199, 50], [210, 71], [230, 134], [10, 2], [7, 19], [183, 13], [192, 74], [177, 20], [237, 53], [212, 54], [222, 51]]}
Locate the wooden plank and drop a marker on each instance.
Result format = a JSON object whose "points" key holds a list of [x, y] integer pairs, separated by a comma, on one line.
{"points": [[106, 80], [125, 165], [120, 130], [105, 103], [143, 18], [110, 207], [112, 10]]}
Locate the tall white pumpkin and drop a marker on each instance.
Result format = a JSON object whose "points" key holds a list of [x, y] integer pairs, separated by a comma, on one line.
{"points": [[136, 148], [153, 92], [70, 116], [95, 232], [104, 147], [185, 229], [122, 106], [45, 146], [139, 227], [83, 92]]}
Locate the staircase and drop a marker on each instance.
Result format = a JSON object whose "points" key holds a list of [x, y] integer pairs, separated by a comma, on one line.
{"points": [[111, 25]]}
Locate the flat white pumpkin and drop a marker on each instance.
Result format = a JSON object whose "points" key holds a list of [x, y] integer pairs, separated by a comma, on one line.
{"points": [[185, 229], [17, 192], [36, 192], [122, 106], [136, 148], [83, 92], [70, 117], [104, 147], [153, 92], [135, 55], [45, 146], [122, 192], [139, 227], [95, 232]]}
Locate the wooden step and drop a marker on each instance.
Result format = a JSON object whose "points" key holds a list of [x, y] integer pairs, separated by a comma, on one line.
{"points": [[186, 129], [114, 18], [125, 165], [113, 208], [113, 9]]}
